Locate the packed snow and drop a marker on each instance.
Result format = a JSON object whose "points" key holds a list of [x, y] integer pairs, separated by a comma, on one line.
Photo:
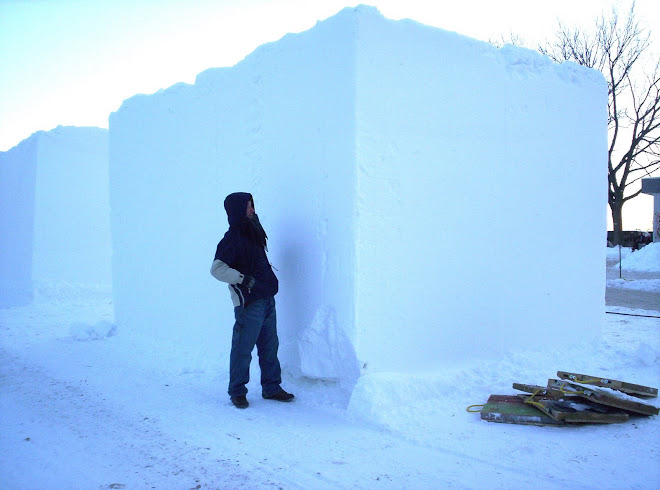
{"points": [[637, 268], [87, 405]]}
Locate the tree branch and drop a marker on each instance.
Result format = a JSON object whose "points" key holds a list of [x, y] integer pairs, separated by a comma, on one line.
{"points": [[619, 48]]}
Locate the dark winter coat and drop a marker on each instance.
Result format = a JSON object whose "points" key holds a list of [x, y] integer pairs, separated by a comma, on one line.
{"points": [[241, 252]]}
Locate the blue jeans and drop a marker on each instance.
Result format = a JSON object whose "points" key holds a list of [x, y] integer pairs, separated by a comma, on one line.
{"points": [[256, 324]]}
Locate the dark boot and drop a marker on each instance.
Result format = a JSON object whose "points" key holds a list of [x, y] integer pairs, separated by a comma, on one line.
{"points": [[280, 396], [240, 401]]}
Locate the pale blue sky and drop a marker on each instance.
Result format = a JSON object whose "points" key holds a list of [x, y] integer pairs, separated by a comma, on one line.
{"points": [[72, 62]]}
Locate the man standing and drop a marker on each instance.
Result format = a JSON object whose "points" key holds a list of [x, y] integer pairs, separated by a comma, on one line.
{"points": [[240, 260]]}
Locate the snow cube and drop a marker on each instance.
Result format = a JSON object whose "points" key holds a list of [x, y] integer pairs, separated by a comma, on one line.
{"points": [[430, 200]]}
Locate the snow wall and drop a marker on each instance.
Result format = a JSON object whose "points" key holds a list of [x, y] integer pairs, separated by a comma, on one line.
{"points": [[72, 207], [374, 148], [55, 210], [17, 179]]}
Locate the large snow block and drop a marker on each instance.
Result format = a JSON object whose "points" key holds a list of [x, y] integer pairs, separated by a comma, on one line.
{"points": [[55, 214], [72, 207], [374, 150], [481, 183], [17, 181], [281, 125]]}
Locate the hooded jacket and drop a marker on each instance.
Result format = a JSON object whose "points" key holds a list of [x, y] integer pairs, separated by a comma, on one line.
{"points": [[241, 252]]}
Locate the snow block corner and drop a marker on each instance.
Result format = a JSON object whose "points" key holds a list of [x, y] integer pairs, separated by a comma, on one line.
{"points": [[429, 199]]}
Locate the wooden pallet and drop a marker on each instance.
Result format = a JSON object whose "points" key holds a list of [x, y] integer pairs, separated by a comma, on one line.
{"points": [[629, 388], [540, 390], [601, 396]]}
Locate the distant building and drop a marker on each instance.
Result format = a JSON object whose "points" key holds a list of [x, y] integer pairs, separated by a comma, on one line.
{"points": [[652, 186]]}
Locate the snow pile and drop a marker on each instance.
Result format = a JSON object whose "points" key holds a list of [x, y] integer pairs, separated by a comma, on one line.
{"points": [[326, 352], [371, 163], [646, 259], [613, 252], [648, 356]]}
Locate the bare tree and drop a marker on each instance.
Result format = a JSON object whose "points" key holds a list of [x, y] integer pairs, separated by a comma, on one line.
{"points": [[513, 39], [619, 48]]}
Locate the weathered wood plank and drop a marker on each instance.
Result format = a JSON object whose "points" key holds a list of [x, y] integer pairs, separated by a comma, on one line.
{"points": [[630, 388], [600, 395], [540, 390], [574, 409]]}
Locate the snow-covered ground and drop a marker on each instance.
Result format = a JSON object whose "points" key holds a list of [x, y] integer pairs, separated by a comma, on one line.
{"points": [[85, 405], [634, 283]]}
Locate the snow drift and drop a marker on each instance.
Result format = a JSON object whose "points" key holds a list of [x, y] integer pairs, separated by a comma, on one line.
{"points": [[646, 259]]}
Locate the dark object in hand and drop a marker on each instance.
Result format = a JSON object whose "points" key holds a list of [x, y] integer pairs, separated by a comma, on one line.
{"points": [[248, 281]]}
